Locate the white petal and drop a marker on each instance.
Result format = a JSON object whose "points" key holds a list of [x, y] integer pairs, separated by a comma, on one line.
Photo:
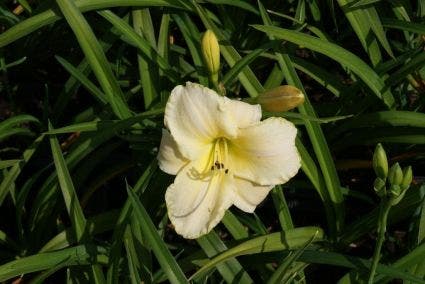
{"points": [[196, 205], [248, 195], [245, 114], [265, 153], [169, 158], [195, 116]]}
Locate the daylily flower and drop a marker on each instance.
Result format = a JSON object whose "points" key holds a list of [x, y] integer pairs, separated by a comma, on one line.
{"points": [[222, 154]]}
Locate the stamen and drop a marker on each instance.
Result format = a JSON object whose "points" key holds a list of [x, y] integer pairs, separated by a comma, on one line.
{"points": [[218, 158]]}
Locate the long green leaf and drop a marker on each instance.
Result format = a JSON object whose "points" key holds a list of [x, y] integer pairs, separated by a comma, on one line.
{"points": [[148, 74], [80, 255], [95, 56], [8, 163], [339, 54], [68, 192], [231, 270], [163, 255], [143, 45], [16, 120], [404, 25], [291, 239], [82, 79], [382, 118], [331, 195], [51, 15], [13, 173], [362, 265]]}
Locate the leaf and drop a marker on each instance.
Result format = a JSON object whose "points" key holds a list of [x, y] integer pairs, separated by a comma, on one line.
{"points": [[82, 79], [326, 182], [404, 25], [17, 120], [68, 192], [339, 54], [291, 239], [143, 45], [51, 15], [243, 62], [283, 268], [8, 163], [96, 58], [231, 270], [13, 173], [362, 265], [98, 125], [80, 255], [382, 118], [159, 248]]}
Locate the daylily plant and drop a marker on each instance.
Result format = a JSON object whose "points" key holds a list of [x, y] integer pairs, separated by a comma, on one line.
{"points": [[222, 154]]}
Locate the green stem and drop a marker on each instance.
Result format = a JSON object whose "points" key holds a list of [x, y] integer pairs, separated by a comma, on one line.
{"points": [[382, 227]]}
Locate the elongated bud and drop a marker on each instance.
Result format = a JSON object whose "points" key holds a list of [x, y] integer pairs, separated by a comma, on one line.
{"points": [[211, 53], [282, 98], [380, 162], [407, 178], [379, 187], [395, 175]]}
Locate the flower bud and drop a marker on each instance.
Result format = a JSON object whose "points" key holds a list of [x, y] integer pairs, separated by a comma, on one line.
{"points": [[379, 187], [397, 194], [395, 175], [395, 190], [380, 162], [211, 53], [407, 178], [282, 98]]}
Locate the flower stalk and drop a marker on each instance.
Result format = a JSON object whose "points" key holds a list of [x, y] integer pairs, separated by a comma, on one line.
{"points": [[382, 228]]}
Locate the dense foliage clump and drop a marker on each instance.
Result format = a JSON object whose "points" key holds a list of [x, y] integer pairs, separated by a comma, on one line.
{"points": [[83, 88]]}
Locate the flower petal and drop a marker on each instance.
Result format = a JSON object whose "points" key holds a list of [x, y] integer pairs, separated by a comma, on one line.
{"points": [[197, 204], [195, 116], [265, 153], [245, 114], [169, 158], [248, 195]]}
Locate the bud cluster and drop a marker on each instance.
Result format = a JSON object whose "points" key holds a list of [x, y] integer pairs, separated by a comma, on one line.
{"points": [[392, 183]]}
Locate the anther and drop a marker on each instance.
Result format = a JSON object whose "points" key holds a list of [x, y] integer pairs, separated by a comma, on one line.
{"points": [[212, 168], [226, 171]]}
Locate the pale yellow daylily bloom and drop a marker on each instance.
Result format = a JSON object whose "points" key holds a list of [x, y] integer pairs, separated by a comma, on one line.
{"points": [[222, 154]]}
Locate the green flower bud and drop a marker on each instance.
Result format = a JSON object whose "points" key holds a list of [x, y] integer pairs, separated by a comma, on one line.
{"points": [[211, 53], [407, 178], [282, 98], [379, 187], [380, 162], [395, 175], [395, 190], [397, 194]]}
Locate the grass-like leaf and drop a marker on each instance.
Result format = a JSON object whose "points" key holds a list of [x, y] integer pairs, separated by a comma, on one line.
{"points": [[339, 54], [163, 255], [291, 239], [68, 192], [79, 255], [96, 58]]}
